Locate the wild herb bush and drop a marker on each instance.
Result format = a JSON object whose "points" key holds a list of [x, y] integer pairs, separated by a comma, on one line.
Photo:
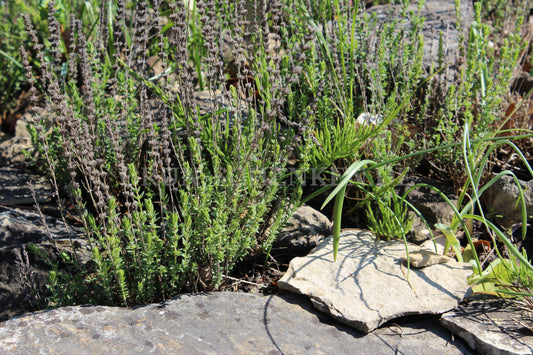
{"points": [[13, 85], [171, 194], [9, 84], [356, 64], [476, 95], [435, 109], [12, 32]]}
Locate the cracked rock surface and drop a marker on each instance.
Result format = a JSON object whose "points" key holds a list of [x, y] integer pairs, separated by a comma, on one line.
{"points": [[369, 284], [217, 323], [491, 326]]}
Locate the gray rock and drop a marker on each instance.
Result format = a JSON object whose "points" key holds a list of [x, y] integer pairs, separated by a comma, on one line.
{"points": [[12, 149], [440, 16], [436, 245], [522, 83], [206, 101], [428, 202], [491, 326], [217, 323], [4, 136], [367, 285], [18, 226], [23, 275], [14, 188], [304, 230], [500, 201]]}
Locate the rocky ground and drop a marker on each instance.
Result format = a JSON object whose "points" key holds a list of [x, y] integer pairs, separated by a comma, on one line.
{"points": [[300, 302], [218, 323]]}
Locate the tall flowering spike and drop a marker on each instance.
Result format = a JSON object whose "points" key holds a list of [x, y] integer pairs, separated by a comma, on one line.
{"points": [[119, 41], [213, 59], [54, 36], [103, 30], [140, 37], [163, 50], [29, 76], [31, 32], [36, 45], [73, 55], [180, 39], [86, 78], [240, 36]]}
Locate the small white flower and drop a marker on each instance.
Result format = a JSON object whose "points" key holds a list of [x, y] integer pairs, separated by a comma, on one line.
{"points": [[368, 118]]}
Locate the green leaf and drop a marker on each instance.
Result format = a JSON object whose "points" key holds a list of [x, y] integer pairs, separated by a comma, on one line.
{"points": [[345, 179], [451, 240]]}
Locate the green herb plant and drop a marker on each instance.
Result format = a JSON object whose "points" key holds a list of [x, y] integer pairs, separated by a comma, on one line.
{"points": [[357, 65], [171, 193], [13, 83], [475, 97]]}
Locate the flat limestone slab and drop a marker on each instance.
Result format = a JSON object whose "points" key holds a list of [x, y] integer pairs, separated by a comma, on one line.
{"points": [[368, 286], [217, 323], [14, 189], [492, 326]]}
